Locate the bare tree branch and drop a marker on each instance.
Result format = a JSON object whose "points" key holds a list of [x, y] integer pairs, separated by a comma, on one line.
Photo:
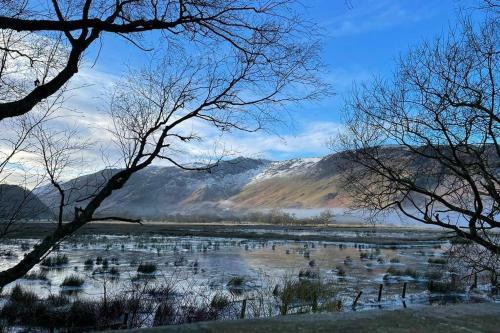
{"points": [[425, 143]]}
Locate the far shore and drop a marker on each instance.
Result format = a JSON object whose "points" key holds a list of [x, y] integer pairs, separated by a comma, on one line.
{"points": [[360, 233]]}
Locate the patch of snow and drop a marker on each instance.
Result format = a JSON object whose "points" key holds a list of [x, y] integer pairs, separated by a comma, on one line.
{"points": [[285, 168]]}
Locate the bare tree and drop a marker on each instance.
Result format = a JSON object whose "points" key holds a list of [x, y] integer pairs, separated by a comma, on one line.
{"points": [[59, 151], [425, 143], [471, 261], [18, 177], [150, 109], [491, 5], [16, 133], [43, 43]]}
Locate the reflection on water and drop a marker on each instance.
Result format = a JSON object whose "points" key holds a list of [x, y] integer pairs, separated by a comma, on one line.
{"points": [[213, 262]]}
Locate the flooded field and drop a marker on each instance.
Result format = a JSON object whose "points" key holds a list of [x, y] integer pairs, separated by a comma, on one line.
{"points": [[242, 267]]}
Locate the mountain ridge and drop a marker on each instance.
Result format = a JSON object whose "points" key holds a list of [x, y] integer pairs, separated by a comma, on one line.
{"points": [[237, 185]]}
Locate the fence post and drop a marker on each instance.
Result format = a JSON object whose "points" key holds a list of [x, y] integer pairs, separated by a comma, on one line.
{"points": [[243, 309], [380, 292], [356, 300]]}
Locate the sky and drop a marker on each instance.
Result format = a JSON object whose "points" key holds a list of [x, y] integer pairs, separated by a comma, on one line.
{"points": [[361, 39]]}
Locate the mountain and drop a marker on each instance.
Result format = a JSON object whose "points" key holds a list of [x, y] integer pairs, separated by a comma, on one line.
{"points": [[236, 185], [298, 183], [19, 203]]}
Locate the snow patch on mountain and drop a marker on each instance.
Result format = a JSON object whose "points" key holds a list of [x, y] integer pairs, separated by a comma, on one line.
{"points": [[286, 168]]}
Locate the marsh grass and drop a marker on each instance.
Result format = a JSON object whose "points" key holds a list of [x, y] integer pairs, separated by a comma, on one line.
{"points": [[304, 295], [443, 287], [236, 285], [407, 272], [146, 268], [236, 281], [437, 261], [73, 281], [54, 262], [40, 275], [309, 274]]}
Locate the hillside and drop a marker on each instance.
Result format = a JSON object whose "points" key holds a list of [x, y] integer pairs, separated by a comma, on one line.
{"points": [[19, 203], [233, 187], [237, 185]]}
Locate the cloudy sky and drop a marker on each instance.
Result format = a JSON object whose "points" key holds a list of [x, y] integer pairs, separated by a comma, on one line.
{"points": [[361, 40]]}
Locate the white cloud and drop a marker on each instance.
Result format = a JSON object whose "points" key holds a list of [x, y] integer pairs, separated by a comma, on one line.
{"points": [[85, 109], [309, 140]]}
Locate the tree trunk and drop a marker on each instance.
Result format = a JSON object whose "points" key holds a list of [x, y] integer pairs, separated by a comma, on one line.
{"points": [[31, 259], [82, 217]]}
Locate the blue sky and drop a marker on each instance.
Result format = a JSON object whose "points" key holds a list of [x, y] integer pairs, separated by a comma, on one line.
{"points": [[361, 39]]}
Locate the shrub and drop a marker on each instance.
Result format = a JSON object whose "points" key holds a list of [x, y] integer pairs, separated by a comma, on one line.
{"points": [[304, 294]]}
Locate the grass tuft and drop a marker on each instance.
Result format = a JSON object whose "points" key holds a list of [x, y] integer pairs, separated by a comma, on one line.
{"points": [[72, 281], [57, 261], [146, 268]]}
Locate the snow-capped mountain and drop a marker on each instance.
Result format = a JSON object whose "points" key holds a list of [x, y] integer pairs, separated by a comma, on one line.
{"points": [[236, 185]]}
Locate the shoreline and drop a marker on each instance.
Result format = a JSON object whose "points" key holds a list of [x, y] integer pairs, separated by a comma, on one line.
{"points": [[391, 235]]}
